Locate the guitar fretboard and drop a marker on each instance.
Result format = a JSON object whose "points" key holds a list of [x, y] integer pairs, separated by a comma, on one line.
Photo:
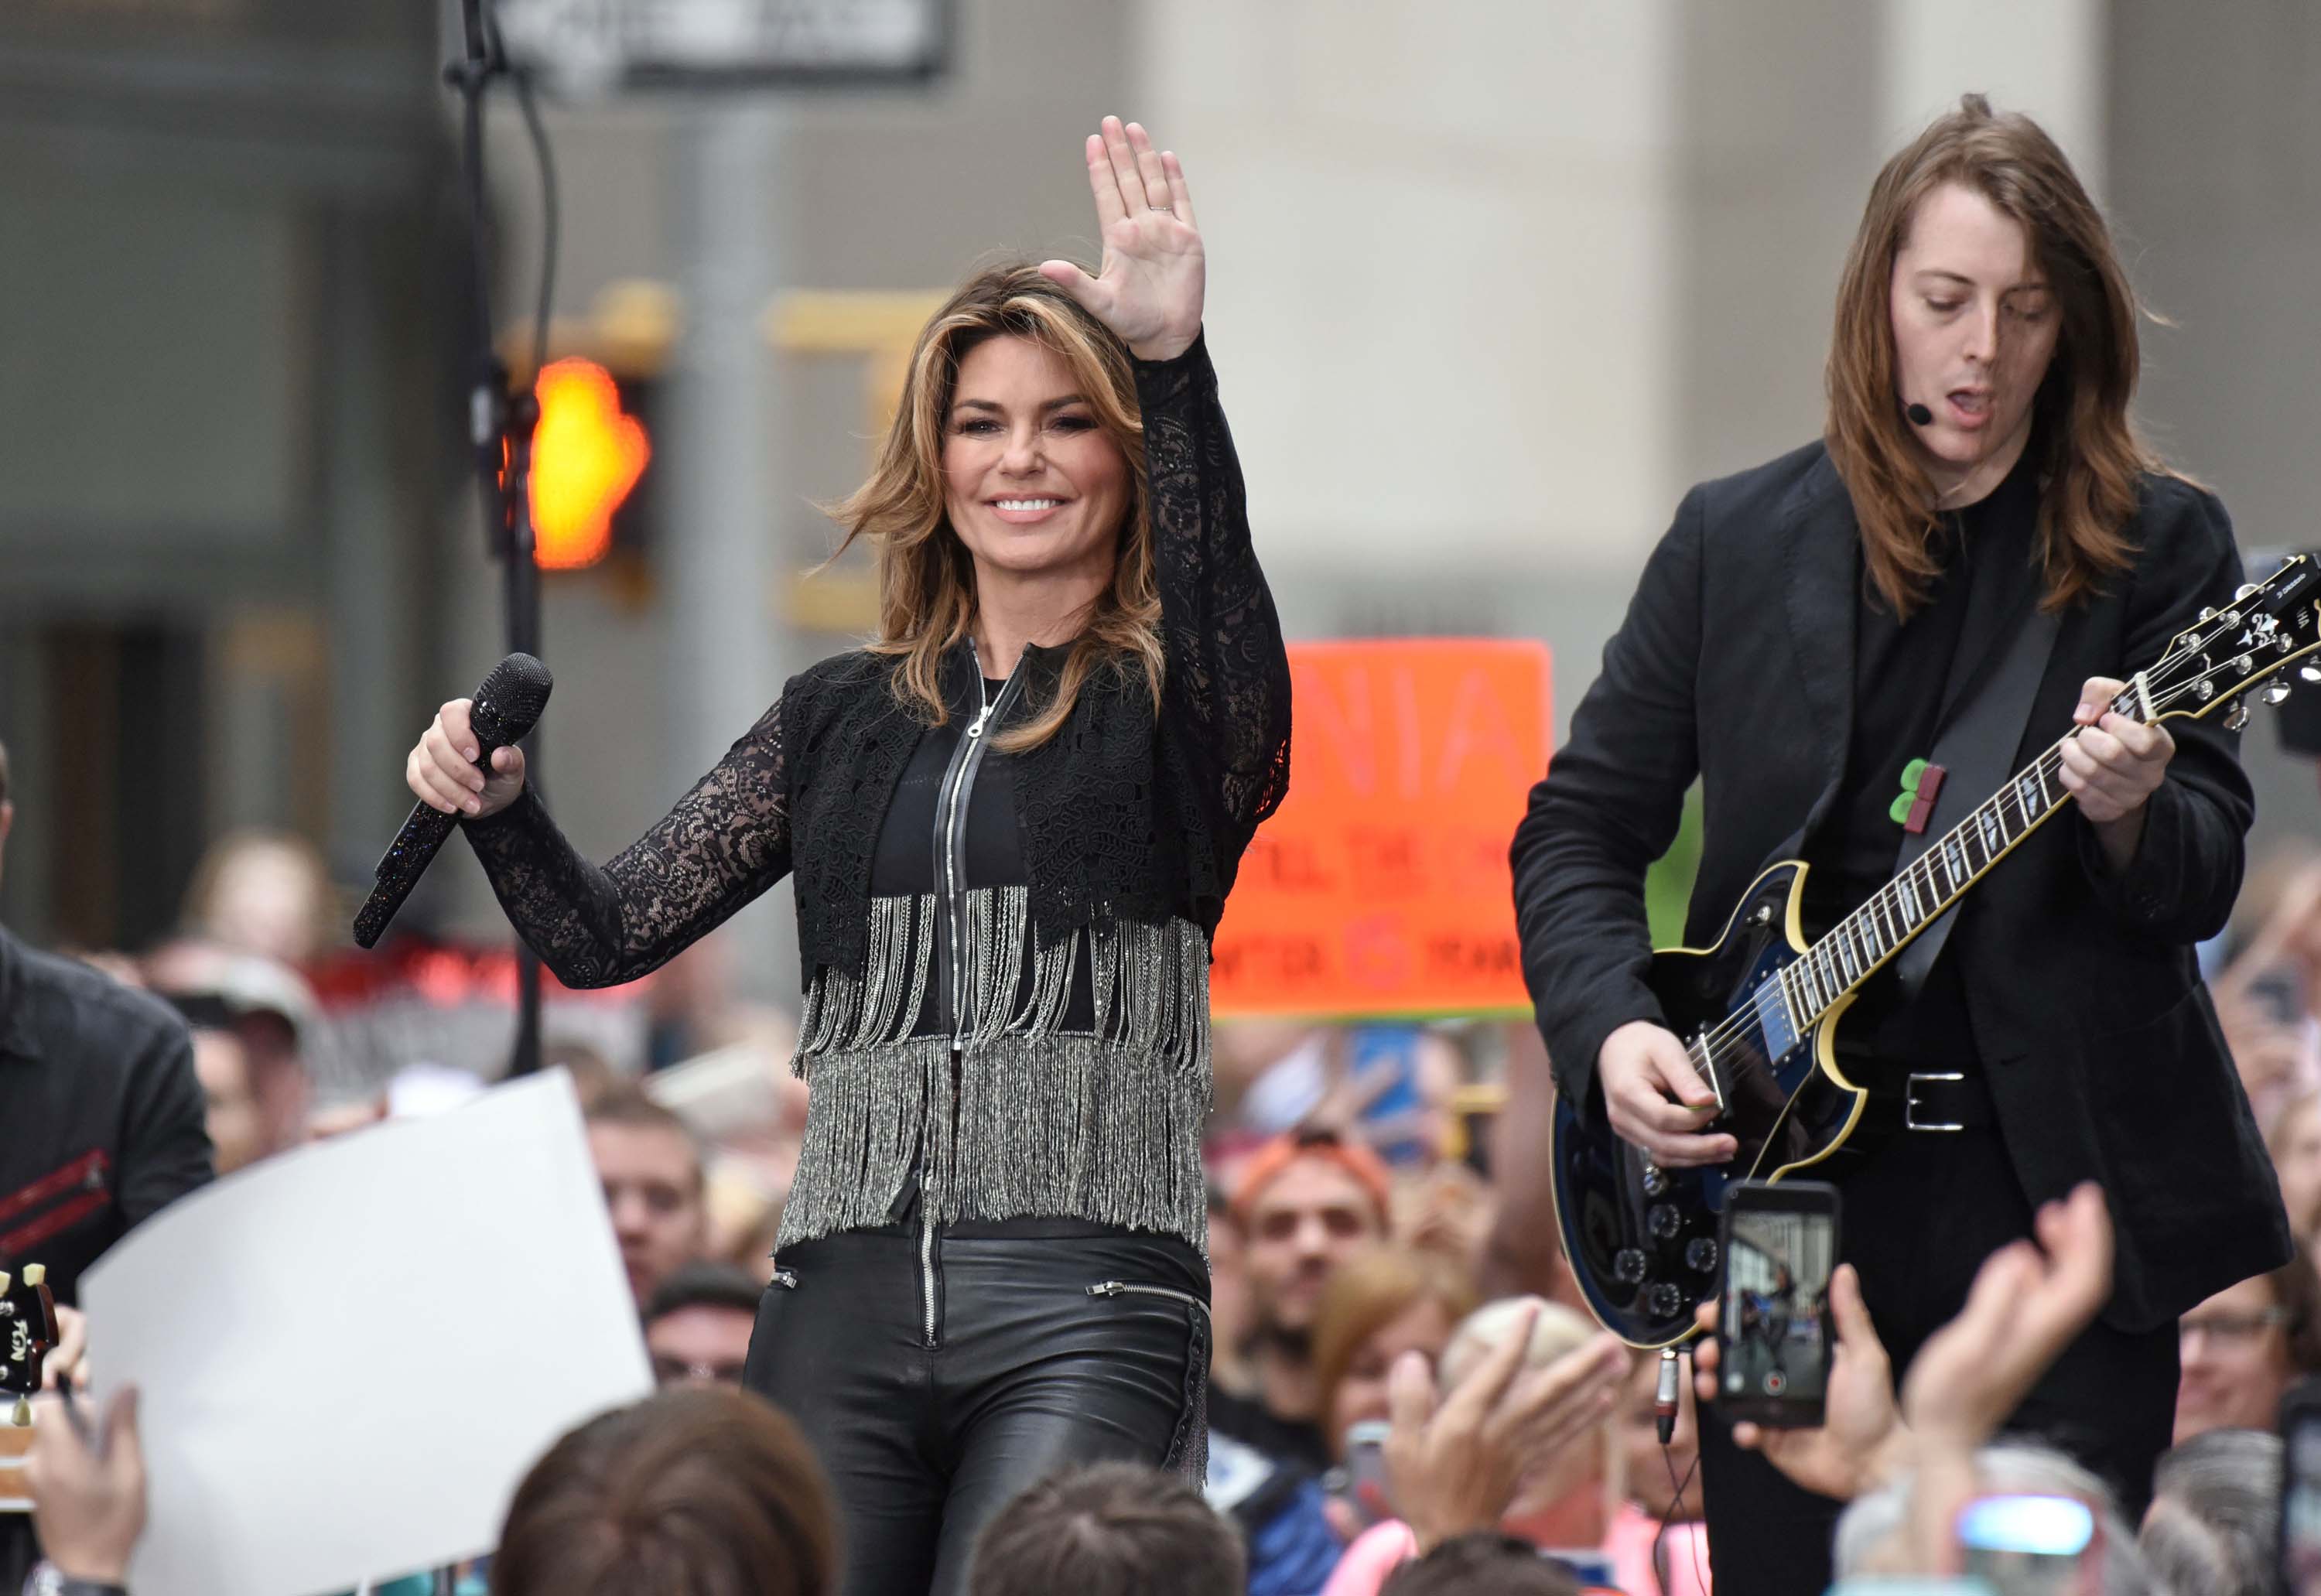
{"points": [[1874, 933]]}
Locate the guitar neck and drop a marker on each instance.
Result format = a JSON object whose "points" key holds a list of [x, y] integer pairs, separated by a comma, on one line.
{"points": [[1858, 945]]}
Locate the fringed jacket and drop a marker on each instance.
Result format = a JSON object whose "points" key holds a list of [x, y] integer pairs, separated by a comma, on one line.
{"points": [[1013, 1006]]}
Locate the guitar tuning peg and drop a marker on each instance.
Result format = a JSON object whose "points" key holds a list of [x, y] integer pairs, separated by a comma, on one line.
{"points": [[2208, 613], [2309, 672], [2277, 691], [2244, 589], [2237, 715]]}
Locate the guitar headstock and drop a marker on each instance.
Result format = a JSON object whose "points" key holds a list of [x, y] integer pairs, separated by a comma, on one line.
{"points": [[28, 1329], [2269, 627]]}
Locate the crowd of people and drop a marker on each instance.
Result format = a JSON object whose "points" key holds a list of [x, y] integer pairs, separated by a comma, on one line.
{"points": [[1062, 1287], [1379, 1419]]}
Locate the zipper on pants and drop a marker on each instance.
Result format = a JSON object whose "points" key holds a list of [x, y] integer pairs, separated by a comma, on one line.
{"points": [[1115, 1288]]}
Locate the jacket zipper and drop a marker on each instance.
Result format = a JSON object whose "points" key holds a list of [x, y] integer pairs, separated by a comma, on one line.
{"points": [[1115, 1288], [951, 808]]}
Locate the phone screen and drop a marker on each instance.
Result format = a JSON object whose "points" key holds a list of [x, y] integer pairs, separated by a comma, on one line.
{"points": [[2300, 1504], [1773, 1325]]}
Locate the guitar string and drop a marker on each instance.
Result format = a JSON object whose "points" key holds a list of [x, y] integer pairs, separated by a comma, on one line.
{"points": [[1724, 1041], [1720, 1043]]}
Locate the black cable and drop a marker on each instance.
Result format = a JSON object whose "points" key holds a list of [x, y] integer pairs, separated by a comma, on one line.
{"points": [[549, 221], [1668, 1521]]}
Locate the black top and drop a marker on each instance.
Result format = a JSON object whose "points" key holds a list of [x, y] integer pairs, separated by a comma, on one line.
{"points": [[104, 1117], [1900, 671], [1132, 809]]}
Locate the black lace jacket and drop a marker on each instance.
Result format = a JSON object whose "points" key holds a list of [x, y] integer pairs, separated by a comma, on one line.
{"points": [[1132, 823], [1123, 812]]}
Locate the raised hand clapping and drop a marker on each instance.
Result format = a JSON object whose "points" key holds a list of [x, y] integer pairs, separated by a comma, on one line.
{"points": [[1147, 287]]}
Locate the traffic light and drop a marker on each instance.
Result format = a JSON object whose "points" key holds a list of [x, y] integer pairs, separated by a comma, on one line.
{"points": [[588, 455]]}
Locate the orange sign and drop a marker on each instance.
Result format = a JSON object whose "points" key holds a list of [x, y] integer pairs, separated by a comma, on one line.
{"points": [[1381, 886]]}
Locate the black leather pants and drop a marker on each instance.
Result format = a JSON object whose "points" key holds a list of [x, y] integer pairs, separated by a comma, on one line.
{"points": [[939, 1374]]}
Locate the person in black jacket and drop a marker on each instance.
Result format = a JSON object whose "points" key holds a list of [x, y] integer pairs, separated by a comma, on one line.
{"points": [[1791, 644], [1013, 820], [105, 1126]]}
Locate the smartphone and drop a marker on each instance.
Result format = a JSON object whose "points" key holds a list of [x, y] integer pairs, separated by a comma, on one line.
{"points": [[1774, 1333], [1361, 1483], [2300, 1490], [2031, 1546]]}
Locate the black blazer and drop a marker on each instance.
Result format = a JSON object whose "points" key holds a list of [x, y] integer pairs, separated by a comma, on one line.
{"points": [[2105, 1061]]}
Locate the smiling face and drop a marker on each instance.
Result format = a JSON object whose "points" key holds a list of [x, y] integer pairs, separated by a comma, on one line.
{"points": [[1975, 328], [1033, 484]]}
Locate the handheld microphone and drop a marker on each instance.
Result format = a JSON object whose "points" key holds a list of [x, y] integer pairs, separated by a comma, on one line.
{"points": [[1918, 414], [1664, 1395], [504, 710]]}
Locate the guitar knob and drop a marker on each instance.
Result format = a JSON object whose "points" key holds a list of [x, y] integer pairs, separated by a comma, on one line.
{"points": [[1656, 1180], [1663, 1301], [1628, 1265], [1700, 1255], [1664, 1221]]}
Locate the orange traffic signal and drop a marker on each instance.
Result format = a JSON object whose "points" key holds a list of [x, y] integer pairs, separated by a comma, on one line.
{"points": [[587, 456]]}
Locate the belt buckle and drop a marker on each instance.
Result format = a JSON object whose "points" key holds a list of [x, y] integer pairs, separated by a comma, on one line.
{"points": [[1910, 1120]]}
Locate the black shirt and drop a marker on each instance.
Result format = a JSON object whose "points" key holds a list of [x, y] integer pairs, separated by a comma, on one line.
{"points": [[1900, 669]]}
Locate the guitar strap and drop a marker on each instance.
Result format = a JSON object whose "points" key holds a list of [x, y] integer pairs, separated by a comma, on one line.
{"points": [[1976, 748]]}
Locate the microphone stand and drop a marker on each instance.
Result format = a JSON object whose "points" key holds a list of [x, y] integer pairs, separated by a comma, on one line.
{"points": [[501, 421]]}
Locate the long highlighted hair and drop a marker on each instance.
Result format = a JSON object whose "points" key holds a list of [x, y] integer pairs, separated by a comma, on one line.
{"points": [[926, 577], [2091, 457]]}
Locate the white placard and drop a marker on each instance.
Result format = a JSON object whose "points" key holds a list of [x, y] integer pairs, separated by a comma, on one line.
{"points": [[348, 1356]]}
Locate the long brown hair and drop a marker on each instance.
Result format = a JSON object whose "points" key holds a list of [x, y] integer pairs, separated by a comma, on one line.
{"points": [[926, 577], [2091, 456], [705, 1491]]}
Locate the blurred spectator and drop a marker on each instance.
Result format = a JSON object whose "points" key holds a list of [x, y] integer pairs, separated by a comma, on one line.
{"points": [[652, 1172], [1876, 1534], [2294, 1141], [707, 1491], [264, 892], [697, 1324], [1460, 1460], [1483, 1562], [1304, 1203], [2244, 1347], [1658, 1543], [1109, 1530], [1230, 1318], [704, 1491], [1563, 1502], [1270, 1073], [2214, 1527], [271, 1011], [594, 1079], [2266, 996], [1382, 1302], [230, 1101]]}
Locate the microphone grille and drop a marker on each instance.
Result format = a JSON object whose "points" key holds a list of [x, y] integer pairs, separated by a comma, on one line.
{"points": [[513, 696]]}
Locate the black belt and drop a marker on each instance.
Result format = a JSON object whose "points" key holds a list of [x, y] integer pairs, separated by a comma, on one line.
{"points": [[1937, 1100]]}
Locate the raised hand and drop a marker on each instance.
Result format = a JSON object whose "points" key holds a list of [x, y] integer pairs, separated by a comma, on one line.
{"points": [[2029, 1302], [1148, 288], [1861, 1434]]}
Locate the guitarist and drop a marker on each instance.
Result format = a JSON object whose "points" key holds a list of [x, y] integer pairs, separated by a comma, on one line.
{"points": [[1798, 638]]}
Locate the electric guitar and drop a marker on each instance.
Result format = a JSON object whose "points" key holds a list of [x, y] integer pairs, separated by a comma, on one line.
{"points": [[1759, 1011], [28, 1330]]}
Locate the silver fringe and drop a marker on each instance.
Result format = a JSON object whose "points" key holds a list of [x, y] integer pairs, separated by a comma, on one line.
{"points": [[1103, 1126]]}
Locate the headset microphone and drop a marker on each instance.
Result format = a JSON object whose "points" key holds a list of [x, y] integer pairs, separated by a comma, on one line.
{"points": [[1918, 414]]}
